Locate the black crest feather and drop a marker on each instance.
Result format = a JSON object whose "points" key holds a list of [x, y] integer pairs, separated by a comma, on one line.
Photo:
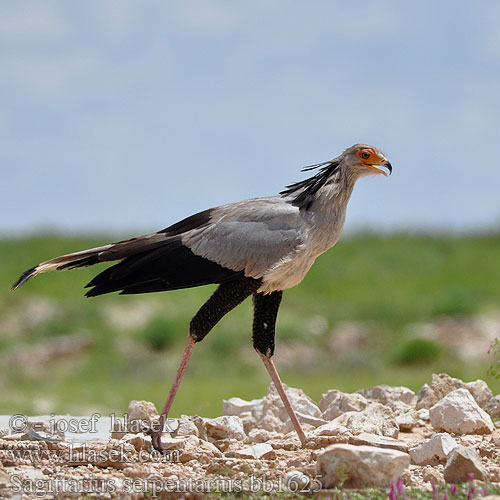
{"points": [[303, 191]]}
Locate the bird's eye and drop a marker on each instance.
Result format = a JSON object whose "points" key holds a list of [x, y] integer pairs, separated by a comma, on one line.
{"points": [[365, 155]]}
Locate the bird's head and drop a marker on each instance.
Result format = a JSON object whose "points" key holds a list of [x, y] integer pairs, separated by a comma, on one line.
{"points": [[355, 162], [362, 160]]}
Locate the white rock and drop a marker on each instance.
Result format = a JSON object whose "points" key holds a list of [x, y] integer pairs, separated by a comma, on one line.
{"points": [[287, 426], [32, 435], [186, 427], [461, 462], [40, 426], [433, 451], [423, 415], [225, 427], [471, 439], [442, 384], [120, 428], [142, 410], [493, 406], [480, 391], [136, 440], [237, 406], [272, 423], [378, 441], [398, 407], [274, 416], [249, 421], [406, 421], [140, 415], [459, 413], [257, 451], [351, 466], [4, 479], [405, 414], [191, 448], [169, 443], [426, 397], [331, 429], [374, 419], [207, 448], [305, 419], [296, 481], [262, 436], [335, 402], [386, 394], [171, 425], [200, 425], [321, 442], [18, 436], [300, 401]]}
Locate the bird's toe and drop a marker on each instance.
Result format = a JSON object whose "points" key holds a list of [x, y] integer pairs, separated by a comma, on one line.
{"points": [[156, 442], [156, 435]]}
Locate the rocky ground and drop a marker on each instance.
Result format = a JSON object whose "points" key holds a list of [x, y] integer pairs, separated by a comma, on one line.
{"points": [[375, 437]]}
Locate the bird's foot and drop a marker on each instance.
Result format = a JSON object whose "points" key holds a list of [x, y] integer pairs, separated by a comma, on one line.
{"points": [[156, 432], [156, 442]]}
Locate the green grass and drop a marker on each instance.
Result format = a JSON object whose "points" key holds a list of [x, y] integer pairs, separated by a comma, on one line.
{"points": [[385, 283]]}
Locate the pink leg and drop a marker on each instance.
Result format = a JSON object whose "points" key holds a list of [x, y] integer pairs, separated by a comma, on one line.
{"points": [[158, 427], [268, 363]]}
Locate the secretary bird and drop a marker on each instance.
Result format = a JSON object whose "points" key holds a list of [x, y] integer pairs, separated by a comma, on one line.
{"points": [[257, 247]]}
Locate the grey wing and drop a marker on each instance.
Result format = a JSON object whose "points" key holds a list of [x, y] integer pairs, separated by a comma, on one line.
{"points": [[251, 236]]}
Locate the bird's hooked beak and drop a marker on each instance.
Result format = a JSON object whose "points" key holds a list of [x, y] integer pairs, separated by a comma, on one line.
{"points": [[374, 160], [384, 167]]}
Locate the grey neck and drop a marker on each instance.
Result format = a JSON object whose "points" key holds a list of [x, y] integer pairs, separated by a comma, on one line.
{"points": [[326, 213], [332, 198]]}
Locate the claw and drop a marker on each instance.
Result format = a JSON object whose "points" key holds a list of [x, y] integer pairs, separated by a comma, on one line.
{"points": [[156, 432], [156, 441]]}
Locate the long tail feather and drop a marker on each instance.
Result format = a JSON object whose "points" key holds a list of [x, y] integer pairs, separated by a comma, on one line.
{"points": [[70, 261], [24, 278], [118, 251]]}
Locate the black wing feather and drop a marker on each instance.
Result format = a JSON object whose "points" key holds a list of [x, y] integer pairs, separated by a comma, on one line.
{"points": [[170, 267]]}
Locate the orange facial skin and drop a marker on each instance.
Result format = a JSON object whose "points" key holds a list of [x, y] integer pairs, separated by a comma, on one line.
{"points": [[370, 159]]}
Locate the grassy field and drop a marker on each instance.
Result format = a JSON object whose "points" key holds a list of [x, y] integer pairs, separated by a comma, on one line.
{"points": [[127, 347]]}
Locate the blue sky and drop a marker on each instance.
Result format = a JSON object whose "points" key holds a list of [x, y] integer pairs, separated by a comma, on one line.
{"points": [[129, 115]]}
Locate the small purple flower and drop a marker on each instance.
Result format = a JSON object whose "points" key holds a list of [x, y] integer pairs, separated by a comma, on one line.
{"points": [[435, 492], [470, 476], [470, 493], [484, 492], [392, 493], [453, 489], [445, 496], [489, 350], [400, 487]]}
